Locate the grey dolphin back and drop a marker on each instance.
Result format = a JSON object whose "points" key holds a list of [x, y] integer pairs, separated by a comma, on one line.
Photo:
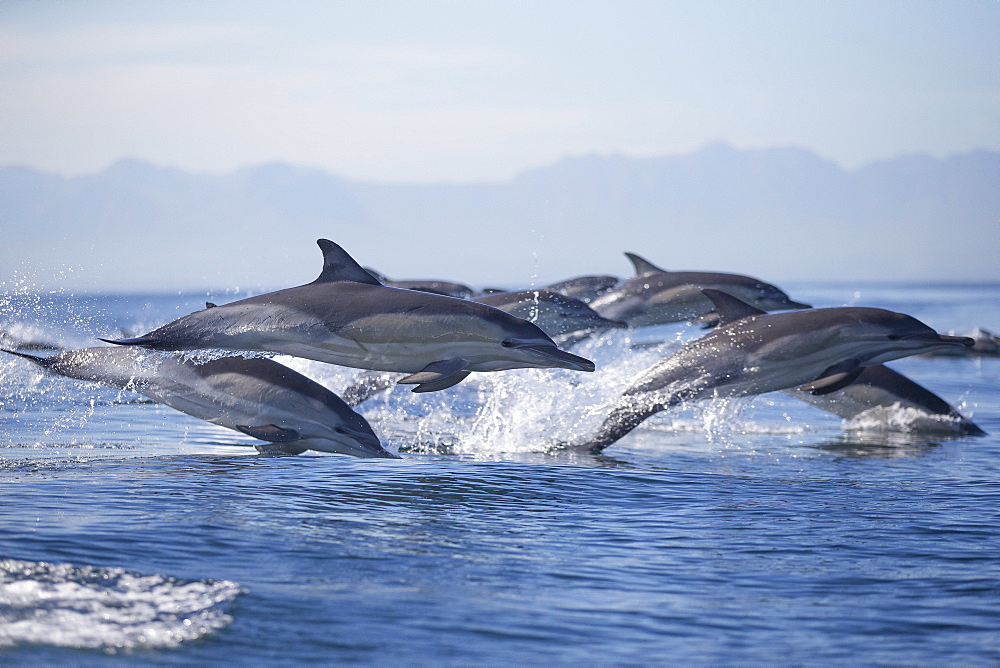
{"points": [[584, 288]]}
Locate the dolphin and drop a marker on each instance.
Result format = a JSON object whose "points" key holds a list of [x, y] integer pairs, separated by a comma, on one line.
{"points": [[878, 386], [565, 319], [22, 337], [584, 288], [555, 313], [258, 397], [656, 297], [433, 286], [753, 352], [347, 317]]}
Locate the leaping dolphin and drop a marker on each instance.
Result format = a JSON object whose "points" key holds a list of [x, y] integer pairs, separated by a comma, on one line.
{"points": [[555, 313], [21, 337], [656, 297], [752, 352], [431, 285], [565, 319], [584, 288], [879, 386], [347, 317], [258, 397]]}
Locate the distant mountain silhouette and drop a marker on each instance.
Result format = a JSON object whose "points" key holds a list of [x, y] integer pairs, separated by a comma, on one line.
{"points": [[780, 214]]}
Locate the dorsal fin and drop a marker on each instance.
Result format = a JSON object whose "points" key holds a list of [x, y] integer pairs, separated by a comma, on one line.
{"points": [[339, 266], [642, 265], [729, 307]]}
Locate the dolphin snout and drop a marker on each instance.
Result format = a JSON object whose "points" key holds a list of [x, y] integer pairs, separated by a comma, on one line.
{"points": [[364, 443], [559, 358], [385, 454], [933, 337], [958, 340]]}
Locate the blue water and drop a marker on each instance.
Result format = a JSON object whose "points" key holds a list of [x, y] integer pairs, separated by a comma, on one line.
{"points": [[753, 531]]}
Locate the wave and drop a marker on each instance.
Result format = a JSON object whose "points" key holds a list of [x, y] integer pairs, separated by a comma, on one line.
{"points": [[107, 608]]}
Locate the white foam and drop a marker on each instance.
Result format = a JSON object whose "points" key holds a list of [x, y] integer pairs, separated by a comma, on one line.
{"points": [[904, 419], [515, 411], [106, 608]]}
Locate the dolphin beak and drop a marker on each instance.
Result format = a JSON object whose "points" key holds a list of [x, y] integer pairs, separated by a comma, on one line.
{"points": [[560, 359], [364, 444], [957, 340], [792, 305], [34, 358], [937, 340]]}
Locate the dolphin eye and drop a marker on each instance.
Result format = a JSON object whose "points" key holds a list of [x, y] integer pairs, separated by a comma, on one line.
{"points": [[507, 343], [894, 337]]}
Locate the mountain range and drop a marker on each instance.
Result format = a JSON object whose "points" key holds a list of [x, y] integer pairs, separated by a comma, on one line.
{"points": [[782, 214]]}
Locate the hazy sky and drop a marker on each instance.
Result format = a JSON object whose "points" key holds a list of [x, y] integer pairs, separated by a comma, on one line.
{"points": [[473, 90]]}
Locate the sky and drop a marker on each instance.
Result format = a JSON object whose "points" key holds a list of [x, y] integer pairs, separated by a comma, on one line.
{"points": [[439, 91]]}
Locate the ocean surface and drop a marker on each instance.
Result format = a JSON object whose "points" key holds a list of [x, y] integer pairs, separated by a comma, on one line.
{"points": [[759, 530]]}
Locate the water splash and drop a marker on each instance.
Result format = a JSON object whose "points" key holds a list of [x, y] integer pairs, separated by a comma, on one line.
{"points": [[106, 608], [905, 420], [29, 316], [204, 355], [516, 411]]}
